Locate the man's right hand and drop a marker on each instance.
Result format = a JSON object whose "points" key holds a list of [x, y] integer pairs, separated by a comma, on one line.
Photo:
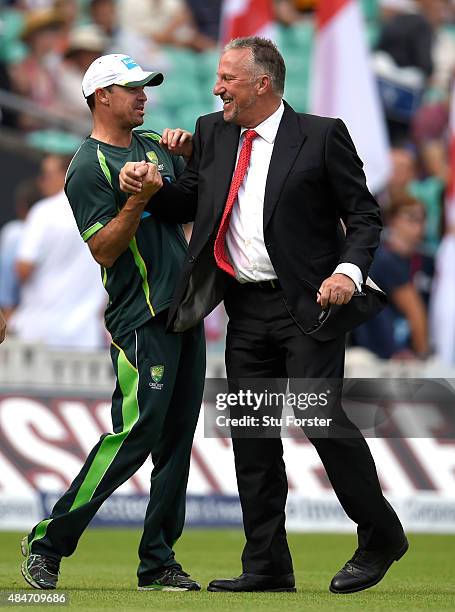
{"points": [[132, 175], [140, 178]]}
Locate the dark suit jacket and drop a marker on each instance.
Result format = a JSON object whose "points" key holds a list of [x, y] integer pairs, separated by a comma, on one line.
{"points": [[315, 178]]}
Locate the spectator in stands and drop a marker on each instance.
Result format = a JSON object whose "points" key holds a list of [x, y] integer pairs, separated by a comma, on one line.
{"points": [[207, 16], [404, 61], [162, 22], [8, 117], [27, 193], [33, 5], [441, 13], [424, 177], [61, 298], [85, 44], [290, 12], [407, 35], [2, 327], [442, 303], [430, 189], [103, 14], [34, 77], [404, 171], [405, 274], [430, 122], [69, 12]]}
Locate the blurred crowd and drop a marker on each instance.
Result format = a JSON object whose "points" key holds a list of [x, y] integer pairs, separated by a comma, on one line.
{"points": [[45, 48], [50, 286], [49, 44]]}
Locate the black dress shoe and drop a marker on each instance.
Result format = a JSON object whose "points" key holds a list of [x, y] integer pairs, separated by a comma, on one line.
{"points": [[255, 582], [366, 568]]}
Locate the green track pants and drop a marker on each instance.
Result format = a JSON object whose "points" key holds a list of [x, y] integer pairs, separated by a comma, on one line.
{"points": [[155, 408]]}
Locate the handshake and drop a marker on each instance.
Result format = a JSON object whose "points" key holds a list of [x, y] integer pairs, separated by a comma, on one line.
{"points": [[140, 178], [143, 178]]}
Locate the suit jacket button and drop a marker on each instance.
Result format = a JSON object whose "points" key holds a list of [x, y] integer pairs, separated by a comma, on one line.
{"points": [[191, 259]]}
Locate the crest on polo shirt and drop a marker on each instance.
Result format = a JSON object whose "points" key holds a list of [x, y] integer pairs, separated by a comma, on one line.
{"points": [[153, 158]]}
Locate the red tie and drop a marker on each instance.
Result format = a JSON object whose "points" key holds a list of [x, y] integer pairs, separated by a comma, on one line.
{"points": [[221, 256]]}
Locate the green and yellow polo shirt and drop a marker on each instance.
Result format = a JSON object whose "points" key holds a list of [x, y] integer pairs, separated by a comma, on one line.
{"points": [[141, 282]]}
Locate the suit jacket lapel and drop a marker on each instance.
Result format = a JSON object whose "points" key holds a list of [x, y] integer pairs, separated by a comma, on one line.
{"points": [[288, 142], [226, 144]]}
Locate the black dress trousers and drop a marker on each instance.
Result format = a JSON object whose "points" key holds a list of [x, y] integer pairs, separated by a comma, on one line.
{"points": [[264, 342]]}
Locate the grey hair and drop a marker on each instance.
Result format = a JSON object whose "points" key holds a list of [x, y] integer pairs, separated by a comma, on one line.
{"points": [[266, 59]]}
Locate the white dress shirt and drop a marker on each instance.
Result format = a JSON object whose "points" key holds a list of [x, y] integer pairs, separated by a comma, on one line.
{"points": [[245, 235]]}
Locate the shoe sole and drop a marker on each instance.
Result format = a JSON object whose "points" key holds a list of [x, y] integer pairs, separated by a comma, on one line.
{"points": [[24, 569], [28, 578], [284, 590], [403, 550], [161, 589], [24, 546]]}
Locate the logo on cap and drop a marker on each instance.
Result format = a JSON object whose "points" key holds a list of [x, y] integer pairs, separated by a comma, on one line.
{"points": [[129, 62]]}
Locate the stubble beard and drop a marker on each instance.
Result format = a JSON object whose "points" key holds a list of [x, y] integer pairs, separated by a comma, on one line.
{"points": [[237, 111]]}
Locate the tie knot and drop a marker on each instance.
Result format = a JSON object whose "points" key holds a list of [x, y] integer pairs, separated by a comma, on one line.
{"points": [[250, 134]]}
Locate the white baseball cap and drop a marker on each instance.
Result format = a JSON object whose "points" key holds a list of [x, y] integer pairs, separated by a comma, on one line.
{"points": [[117, 69]]}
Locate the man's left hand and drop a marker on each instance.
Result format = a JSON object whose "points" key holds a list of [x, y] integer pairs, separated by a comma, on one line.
{"points": [[177, 142], [337, 289]]}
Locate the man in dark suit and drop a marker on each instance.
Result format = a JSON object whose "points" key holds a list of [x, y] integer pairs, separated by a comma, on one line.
{"points": [[267, 188]]}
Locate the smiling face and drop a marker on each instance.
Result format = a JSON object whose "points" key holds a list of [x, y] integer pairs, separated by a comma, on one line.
{"points": [[126, 105], [238, 86]]}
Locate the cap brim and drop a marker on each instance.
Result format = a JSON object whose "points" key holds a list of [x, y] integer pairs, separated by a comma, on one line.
{"points": [[152, 80]]}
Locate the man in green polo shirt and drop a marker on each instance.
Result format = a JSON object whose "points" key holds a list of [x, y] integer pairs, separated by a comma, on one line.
{"points": [[160, 377]]}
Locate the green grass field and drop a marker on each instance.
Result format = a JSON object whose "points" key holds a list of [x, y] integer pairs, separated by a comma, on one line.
{"points": [[102, 574]]}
